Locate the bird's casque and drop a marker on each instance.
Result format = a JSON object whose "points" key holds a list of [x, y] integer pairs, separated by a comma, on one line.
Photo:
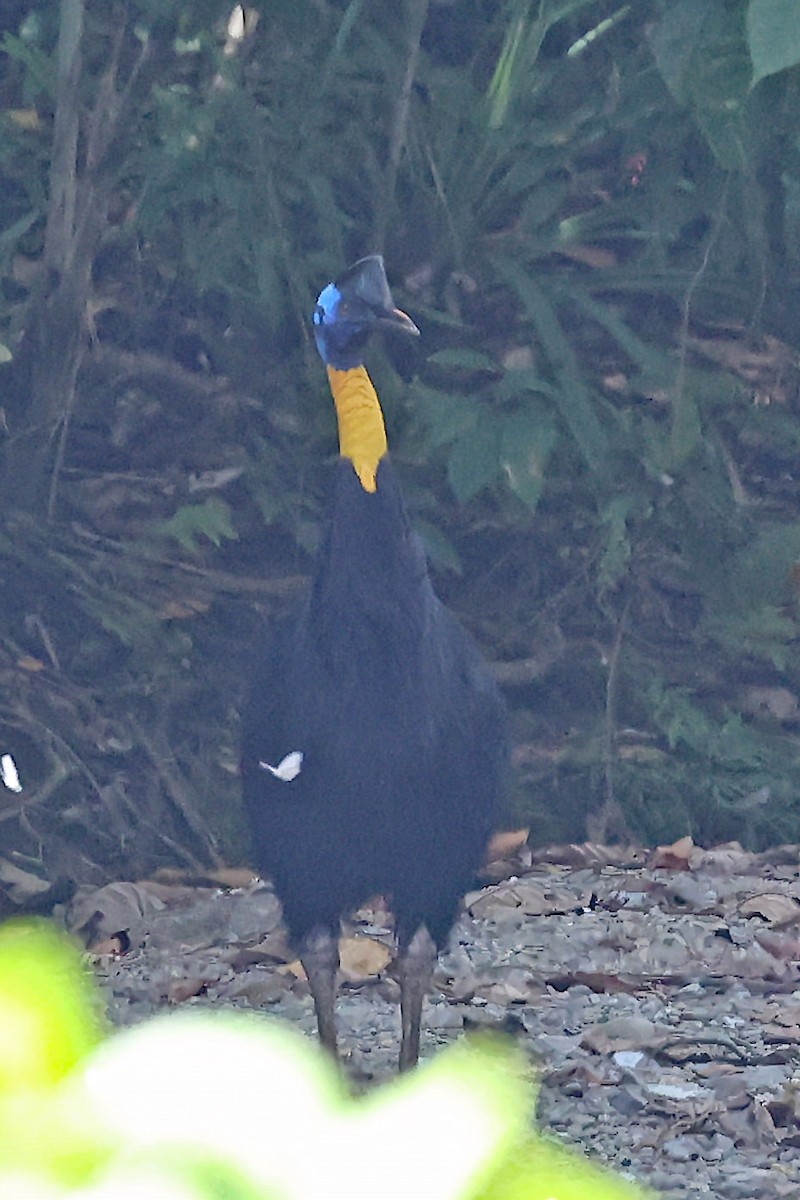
{"points": [[350, 309]]}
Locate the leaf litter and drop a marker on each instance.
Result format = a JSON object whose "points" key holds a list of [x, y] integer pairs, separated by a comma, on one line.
{"points": [[658, 995]]}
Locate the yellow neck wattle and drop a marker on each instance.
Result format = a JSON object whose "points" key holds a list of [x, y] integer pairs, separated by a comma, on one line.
{"points": [[362, 433]]}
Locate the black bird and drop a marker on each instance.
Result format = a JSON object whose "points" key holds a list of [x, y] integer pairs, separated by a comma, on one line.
{"points": [[374, 741]]}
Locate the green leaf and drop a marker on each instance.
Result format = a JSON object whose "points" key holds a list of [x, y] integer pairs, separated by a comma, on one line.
{"points": [[39, 67], [517, 381], [149, 1112], [211, 520], [438, 548], [764, 632], [48, 1019], [645, 354], [700, 49], [447, 417], [617, 550], [773, 36], [10, 236], [674, 40], [473, 461], [514, 75], [571, 394], [141, 1093], [526, 442], [545, 1170], [686, 432], [469, 360]]}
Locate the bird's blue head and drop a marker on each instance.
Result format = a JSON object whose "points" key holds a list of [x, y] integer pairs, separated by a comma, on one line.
{"points": [[350, 309]]}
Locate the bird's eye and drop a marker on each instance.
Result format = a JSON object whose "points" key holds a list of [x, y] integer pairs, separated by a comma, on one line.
{"points": [[319, 315]]}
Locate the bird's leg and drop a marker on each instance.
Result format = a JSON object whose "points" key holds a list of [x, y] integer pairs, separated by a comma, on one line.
{"points": [[319, 954], [414, 969]]}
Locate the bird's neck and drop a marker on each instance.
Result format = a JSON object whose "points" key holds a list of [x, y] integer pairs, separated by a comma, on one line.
{"points": [[362, 433]]}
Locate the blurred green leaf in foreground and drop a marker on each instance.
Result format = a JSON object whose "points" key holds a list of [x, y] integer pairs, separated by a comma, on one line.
{"points": [[226, 1105]]}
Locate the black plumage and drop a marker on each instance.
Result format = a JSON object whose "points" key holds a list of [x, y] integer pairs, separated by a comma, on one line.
{"points": [[380, 698]]}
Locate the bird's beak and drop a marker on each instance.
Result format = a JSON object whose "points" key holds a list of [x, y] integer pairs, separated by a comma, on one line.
{"points": [[396, 319]]}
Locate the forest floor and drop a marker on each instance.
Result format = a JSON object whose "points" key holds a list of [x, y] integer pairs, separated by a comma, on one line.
{"points": [[658, 995]]}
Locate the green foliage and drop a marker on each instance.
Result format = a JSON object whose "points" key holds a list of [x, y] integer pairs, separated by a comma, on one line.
{"points": [[217, 1105], [49, 1020], [773, 37], [737, 769], [616, 553], [700, 51], [211, 520]]}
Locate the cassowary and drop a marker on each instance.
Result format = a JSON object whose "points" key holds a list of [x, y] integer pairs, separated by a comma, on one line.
{"points": [[374, 738]]}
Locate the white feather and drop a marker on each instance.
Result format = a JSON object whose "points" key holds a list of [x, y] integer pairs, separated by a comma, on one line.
{"points": [[288, 768], [8, 773]]}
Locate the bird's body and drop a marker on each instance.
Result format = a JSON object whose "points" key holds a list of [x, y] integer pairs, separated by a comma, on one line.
{"points": [[394, 726]]}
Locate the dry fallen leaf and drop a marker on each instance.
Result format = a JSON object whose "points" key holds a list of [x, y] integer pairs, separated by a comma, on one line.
{"points": [[776, 702], [111, 947], [536, 900], [233, 877], [785, 1013], [221, 877], [506, 843], [622, 1033], [599, 257], [179, 990], [600, 982], [28, 663], [362, 957], [294, 968], [783, 946], [177, 610], [589, 854], [274, 947], [518, 358], [775, 907], [98, 913], [20, 885], [780, 1033], [726, 859], [674, 857], [507, 985], [491, 900]]}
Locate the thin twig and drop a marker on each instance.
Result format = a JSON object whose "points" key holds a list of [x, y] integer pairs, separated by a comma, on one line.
{"points": [[63, 168], [686, 309], [417, 16], [166, 766], [598, 825]]}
